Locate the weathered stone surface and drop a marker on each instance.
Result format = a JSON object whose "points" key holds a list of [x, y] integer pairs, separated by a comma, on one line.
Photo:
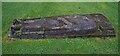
{"points": [[62, 26]]}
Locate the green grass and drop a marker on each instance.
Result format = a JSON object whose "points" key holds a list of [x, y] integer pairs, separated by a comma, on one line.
{"points": [[12, 11]]}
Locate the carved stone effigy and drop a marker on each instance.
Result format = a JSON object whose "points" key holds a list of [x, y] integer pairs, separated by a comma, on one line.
{"points": [[67, 26]]}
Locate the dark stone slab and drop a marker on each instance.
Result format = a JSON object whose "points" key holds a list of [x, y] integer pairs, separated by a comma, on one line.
{"points": [[89, 25]]}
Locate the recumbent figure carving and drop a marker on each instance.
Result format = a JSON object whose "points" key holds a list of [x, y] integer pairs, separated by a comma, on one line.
{"points": [[89, 25]]}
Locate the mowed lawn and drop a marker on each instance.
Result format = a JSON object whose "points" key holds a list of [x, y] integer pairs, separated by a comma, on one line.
{"points": [[95, 45]]}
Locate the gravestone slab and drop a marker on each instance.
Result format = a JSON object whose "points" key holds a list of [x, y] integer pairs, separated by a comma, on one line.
{"points": [[66, 26]]}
